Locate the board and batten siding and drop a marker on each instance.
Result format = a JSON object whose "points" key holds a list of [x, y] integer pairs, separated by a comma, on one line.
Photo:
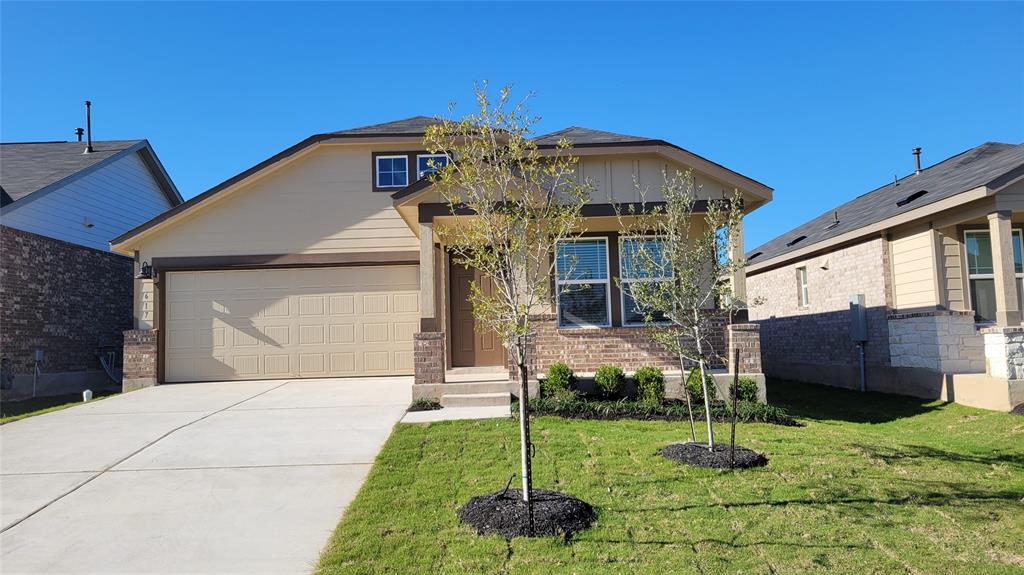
{"points": [[951, 268], [913, 269], [113, 198], [617, 177], [322, 202]]}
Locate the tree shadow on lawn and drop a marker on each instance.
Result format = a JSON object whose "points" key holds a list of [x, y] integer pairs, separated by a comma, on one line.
{"points": [[730, 543], [905, 453], [825, 402]]}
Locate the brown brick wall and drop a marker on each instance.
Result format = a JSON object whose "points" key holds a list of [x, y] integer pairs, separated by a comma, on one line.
{"points": [[62, 298], [140, 358], [428, 357], [747, 338]]}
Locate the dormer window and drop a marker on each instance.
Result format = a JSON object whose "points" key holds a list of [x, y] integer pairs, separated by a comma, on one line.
{"points": [[427, 164], [392, 171]]}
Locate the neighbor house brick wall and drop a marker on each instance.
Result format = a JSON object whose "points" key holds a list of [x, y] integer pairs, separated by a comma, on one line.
{"points": [[586, 349], [140, 359], [428, 357], [946, 341], [62, 298], [819, 334]]}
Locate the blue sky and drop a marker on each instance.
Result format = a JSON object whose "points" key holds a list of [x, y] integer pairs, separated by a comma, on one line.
{"points": [[822, 102]]}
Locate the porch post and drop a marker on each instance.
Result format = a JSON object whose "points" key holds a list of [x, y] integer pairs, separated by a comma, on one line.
{"points": [[739, 278], [428, 343], [428, 315], [1001, 234]]}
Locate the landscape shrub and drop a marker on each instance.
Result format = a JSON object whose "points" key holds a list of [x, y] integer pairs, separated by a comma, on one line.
{"points": [[610, 380], [650, 385], [694, 389], [559, 380], [746, 390], [424, 404], [670, 410]]}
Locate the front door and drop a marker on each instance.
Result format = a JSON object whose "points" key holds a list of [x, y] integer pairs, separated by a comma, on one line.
{"points": [[470, 347]]}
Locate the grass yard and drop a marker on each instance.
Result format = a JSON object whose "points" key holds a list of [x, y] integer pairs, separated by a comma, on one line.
{"points": [[872, 484], [11, 411]]}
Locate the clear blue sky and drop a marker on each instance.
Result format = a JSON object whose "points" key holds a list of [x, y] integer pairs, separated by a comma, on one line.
{"points": [[822, 102]]}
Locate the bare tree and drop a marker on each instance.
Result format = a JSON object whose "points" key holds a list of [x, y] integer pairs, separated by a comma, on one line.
{"points": [[678, 255], [510, 204]]}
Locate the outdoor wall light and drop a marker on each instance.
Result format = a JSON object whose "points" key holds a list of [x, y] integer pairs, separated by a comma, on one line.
{"points": [[145, 272]]}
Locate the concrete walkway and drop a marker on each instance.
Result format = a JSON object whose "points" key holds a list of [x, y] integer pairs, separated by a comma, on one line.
{"points": [[240, 477]]}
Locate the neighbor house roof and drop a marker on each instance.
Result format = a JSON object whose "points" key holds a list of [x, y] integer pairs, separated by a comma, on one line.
{"points": [[28, 167], [990, 164]]}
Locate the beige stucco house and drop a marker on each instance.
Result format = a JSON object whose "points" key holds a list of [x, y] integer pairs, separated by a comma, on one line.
{"points": [[322, 261], [937, 257]]}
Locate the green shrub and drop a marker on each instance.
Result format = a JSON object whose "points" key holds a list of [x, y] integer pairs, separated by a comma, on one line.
{"points": [[746, 390], [610, 380], [672, 410], [558, 380], [650, 385], [696, 391], [424, 404]]}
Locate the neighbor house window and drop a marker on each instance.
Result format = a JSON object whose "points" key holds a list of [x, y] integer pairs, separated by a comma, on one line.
{"points": [[392, 171], [802, 289], [641, 260], [980, 277], [427, 164], [582, 286]]}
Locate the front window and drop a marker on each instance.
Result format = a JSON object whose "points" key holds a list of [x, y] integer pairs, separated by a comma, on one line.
{"points": [[427, 164], [582, 286], [392, 171], [980, 277], [804, 292], [641, 260]]}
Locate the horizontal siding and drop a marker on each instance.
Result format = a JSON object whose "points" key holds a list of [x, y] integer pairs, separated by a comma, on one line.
{"points": [[114, 198], [913, 269]]}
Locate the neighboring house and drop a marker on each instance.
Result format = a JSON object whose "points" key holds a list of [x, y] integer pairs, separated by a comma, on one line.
{"points": [[322, 261], [937, 256], [65, 299]]}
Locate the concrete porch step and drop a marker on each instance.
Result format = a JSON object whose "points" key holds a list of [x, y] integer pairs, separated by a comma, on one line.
{"points": [[475, 374], [476, 399], [473, 387]]}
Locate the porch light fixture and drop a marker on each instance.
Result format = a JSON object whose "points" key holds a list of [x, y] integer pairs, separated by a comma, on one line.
{"points": [[145, 272]]}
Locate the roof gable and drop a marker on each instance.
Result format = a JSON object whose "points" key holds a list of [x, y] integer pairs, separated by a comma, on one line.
{"points": [[578, 136], [976, 167], [414, 126]]}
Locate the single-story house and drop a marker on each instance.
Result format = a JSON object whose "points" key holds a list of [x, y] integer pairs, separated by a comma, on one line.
{"points": [[322, 261], [65, 298], [937, 257]]}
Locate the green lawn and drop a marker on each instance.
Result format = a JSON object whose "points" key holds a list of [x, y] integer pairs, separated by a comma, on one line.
{"points": [[872, 484], [11, 411]]}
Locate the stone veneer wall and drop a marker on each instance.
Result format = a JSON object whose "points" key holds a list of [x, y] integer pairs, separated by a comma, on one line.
{"points": [[64, 299], [1004, 352], [140, 359], [806, 343], [945, 341]]}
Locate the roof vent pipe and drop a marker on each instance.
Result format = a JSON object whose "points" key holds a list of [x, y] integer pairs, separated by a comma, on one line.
{"points": [[917, 160], [79, 132], [88, 126]]}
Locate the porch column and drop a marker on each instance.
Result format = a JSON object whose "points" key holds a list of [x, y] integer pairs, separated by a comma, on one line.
{"points": [[1001, 234], [428, 313], [739, 278]]}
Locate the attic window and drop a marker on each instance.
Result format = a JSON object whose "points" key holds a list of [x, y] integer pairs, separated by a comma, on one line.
{"points": [[911, 198], [754, 255], [795, 241]]}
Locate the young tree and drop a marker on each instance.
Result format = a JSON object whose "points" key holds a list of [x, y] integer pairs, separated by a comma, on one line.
{"points": [[510, 204], [678, 255]]}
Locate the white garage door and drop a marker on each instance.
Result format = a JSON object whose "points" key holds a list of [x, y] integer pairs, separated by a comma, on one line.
{"points": [[282, 323]]}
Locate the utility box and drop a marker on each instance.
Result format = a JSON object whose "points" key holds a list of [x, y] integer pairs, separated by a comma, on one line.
{"points": [[858, 318]]}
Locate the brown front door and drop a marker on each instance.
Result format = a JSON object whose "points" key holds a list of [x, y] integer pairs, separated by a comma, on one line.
{"points": [[469, 346]]}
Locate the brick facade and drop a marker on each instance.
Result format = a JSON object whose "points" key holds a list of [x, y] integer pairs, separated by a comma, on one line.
{"points": [[140, 359], [64, 299], [745, 337], [819, 334], [428, 357]]}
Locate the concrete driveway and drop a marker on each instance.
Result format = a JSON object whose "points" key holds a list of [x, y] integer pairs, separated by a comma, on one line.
{"points": [[239, 477]]}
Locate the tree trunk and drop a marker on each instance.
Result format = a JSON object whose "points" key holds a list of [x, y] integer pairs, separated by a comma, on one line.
{"points": [[704, 386], [686, 394], [526, 448], [735, 392]]}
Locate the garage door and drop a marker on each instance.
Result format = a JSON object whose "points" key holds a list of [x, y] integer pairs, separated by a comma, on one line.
{"points": [[282, 323]]}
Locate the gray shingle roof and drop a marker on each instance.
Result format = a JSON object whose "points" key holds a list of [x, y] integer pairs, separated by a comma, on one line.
{"points": [[965, 171], [584, 136], [414, 126], [31, 166]]}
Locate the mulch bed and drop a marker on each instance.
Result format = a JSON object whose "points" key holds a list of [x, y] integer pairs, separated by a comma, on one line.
{"points": [[1019, 410], [504, 513], [699, 455]]}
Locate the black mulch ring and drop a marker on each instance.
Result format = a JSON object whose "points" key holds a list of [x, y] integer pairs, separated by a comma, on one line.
{"points": [[1019, 410], [505, 513], [699, 455]]}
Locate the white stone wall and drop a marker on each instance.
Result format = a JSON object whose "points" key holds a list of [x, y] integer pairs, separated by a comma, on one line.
{"points": [[941, 341], [1004, 352]]}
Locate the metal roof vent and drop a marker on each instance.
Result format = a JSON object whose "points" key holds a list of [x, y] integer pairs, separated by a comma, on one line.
{"points": [[834, 222], [795, 241], [911, 198], [754, 255]]}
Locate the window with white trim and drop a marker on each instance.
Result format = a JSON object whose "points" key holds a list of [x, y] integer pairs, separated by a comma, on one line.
{"points": [[803, 289], [981, 282], [582, 286], [427, 164], [641, 259], [392, 171]]}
